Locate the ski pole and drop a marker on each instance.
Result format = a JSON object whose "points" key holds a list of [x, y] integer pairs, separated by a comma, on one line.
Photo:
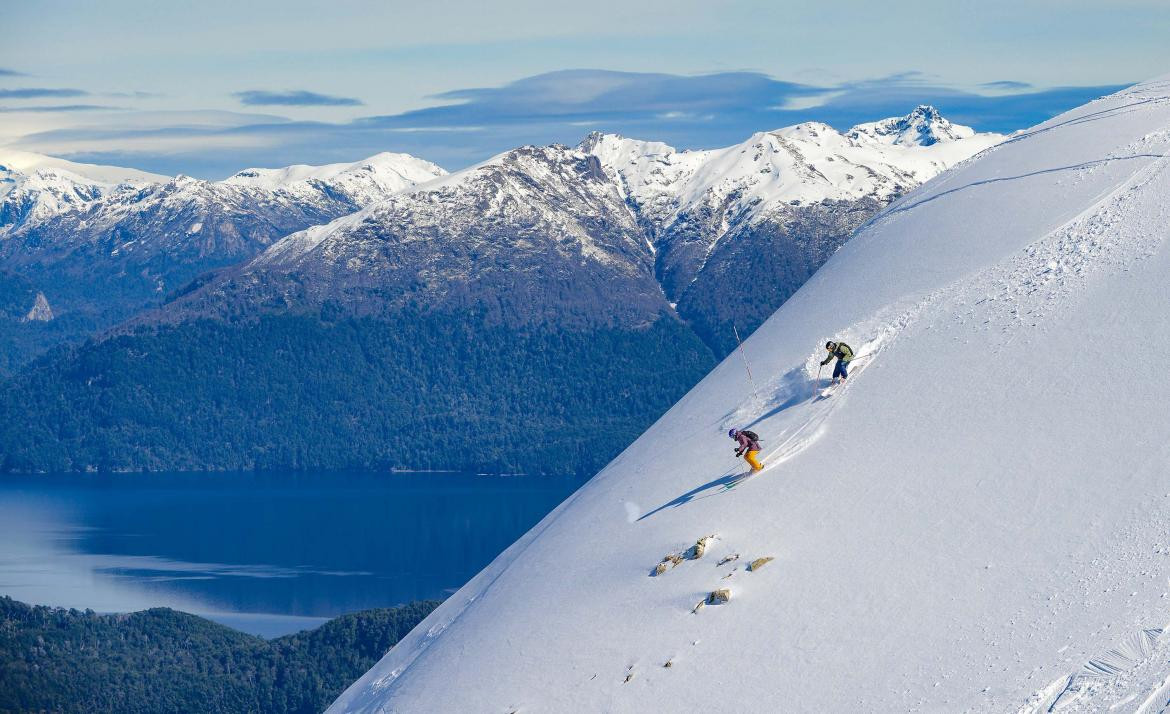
{"points": [[818, 382], [744, 356]]}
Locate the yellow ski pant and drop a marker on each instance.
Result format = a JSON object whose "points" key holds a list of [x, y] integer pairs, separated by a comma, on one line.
{"points": [[750, 457]]}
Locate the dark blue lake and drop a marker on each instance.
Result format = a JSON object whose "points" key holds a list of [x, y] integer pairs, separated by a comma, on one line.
{"points": [[267, 553]]}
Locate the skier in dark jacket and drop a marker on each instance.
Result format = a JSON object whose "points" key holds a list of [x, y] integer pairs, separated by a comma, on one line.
{"points": [[749, 447], [844, 355]]}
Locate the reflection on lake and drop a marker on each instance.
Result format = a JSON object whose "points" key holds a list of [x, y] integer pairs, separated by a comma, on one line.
{"points": [[269, 554]]}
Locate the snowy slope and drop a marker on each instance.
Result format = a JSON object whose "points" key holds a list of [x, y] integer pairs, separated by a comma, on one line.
{"points": [[977, 522]]}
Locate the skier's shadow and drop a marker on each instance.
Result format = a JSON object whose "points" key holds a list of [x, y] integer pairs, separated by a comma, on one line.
{"points": [[797, 396], [729, 479], [792, 390]]}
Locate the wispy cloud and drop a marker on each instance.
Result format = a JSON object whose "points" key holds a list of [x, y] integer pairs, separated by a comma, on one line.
{"points": [[297, 98], [4, 72], [576, 94], [49, 108], [1006, 85], [40, 93], [696, 111], [133, 95]]}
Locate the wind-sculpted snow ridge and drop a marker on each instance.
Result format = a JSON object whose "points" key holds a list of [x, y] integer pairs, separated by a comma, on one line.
{"points": [[974, 522]]}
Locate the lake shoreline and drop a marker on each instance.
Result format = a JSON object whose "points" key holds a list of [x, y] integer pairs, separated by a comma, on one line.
{"points": [[265, 553]]}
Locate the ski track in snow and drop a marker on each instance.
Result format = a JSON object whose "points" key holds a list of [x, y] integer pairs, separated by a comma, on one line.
{"points": [[794, 412], [1013, 294], [1022, 290], [1134, 674]]}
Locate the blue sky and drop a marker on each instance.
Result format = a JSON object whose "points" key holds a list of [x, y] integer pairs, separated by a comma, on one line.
{"points": [[210, 87]]}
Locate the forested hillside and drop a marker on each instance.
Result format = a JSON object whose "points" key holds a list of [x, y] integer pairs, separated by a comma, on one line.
{"points": [[161, 660]]}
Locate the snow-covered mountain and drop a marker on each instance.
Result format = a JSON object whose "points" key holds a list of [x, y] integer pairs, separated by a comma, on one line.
{"points": [[801, 164], [16, 165], [35, 186], [975, 522], [614, 230], [535, 234], [736, 231], [105, 250]]}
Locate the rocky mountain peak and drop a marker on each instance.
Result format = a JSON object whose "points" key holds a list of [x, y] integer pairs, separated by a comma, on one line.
{"points": [[924, 126]]}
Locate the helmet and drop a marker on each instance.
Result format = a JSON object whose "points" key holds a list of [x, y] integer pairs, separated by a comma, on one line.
{"points": [[830, 345], [732, 433]]}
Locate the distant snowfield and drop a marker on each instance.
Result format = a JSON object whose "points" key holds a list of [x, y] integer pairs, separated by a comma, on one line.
{"points": [[978, 521]]}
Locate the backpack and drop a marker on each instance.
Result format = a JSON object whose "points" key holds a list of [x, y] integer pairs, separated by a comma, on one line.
{"points": [[750, 434]]}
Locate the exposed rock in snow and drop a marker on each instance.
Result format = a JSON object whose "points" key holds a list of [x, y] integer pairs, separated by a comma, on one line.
{"points": [[720, 596], [15, 166], [759, 563], [668, 562], [363, 181], [922, 127], [697, 550]]}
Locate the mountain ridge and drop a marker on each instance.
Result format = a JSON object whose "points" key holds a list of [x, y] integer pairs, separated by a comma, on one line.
{"points": [[678, 207], [525, 294]]}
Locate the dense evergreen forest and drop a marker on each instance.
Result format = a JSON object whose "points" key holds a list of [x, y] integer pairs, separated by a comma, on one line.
{"points": [[420, 391], [161, 660]]}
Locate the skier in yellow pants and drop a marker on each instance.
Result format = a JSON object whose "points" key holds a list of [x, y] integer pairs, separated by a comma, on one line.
{"points": [[749, 447]]}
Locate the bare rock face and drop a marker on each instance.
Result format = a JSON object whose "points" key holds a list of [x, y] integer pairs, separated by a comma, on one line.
{"points": [[41, 310], [759, 563], [718, 597]]}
